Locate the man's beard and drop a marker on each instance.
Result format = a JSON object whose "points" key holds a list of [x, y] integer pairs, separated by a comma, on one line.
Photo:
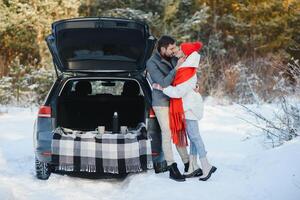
{"points": [[168, 58]]}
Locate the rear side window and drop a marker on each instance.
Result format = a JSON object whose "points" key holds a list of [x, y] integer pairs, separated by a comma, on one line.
{"points": [[101, 87]]}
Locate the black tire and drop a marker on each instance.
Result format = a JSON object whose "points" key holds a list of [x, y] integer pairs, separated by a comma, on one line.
{"points": [[42, 169]]}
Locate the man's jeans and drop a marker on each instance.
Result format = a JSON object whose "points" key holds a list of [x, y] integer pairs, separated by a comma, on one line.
{"points": [[196, 143], [162, 115]]}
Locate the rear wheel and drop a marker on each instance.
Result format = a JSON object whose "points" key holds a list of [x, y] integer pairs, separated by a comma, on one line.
{"points": [[42, 170]]}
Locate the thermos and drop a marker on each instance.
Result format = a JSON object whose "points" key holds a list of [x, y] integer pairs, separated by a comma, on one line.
{"points": [[115, 123]]}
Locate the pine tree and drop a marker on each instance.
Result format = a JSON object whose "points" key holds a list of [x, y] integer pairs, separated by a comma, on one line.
{"points": [[24, 25]]}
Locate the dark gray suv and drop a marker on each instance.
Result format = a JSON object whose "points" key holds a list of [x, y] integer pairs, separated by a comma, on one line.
{"points": [[100, 65]]}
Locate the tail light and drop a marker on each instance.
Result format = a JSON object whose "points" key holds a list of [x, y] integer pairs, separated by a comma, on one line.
{"points": [[44, 111], [151, 113]]}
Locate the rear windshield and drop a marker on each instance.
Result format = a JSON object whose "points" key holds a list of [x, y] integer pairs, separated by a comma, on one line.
{"points": [[101, 87], [82, 49]]}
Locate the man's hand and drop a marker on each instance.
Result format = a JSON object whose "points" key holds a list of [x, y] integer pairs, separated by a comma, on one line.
{"points": [[157, 86]]}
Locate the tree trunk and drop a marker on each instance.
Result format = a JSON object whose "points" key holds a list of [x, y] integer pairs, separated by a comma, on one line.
{"points": [[3, 66]]}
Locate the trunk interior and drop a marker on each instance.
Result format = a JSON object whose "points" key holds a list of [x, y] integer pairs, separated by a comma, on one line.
{"points": [[87, 104]]}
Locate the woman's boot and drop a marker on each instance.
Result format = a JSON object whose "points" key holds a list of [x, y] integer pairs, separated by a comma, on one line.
{"points": [[199, 173], [207, 169]]}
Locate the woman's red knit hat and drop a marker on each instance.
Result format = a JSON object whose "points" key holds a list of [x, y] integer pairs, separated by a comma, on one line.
{"points": [[189, 47]]}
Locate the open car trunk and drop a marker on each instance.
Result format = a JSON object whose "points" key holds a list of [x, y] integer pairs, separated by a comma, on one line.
{"points": [[100, 45], [86, 104]]}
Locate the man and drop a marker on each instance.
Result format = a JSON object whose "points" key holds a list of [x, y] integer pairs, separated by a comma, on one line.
{"points": [[162, 69]]}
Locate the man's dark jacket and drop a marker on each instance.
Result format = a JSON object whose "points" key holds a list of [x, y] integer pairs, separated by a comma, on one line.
{"points": [[162, 72]]}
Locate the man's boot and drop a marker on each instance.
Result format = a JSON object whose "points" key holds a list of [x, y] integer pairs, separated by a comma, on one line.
{"points": [[175, 173], [186, 166]]}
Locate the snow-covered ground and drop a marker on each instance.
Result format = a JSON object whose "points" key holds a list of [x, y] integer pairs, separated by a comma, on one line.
{"points": [[247, 168]]}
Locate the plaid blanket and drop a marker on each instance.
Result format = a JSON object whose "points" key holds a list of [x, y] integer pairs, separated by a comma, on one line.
{"points": [[109, 153]]}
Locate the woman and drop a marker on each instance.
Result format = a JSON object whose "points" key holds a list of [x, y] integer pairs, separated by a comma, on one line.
{"points": [[186, 108]]}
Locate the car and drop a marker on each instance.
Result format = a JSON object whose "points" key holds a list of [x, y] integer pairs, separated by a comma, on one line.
{"points": [[100, 67]]}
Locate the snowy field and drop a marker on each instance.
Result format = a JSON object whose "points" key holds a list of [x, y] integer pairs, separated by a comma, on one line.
{"points": [[247, 167]]}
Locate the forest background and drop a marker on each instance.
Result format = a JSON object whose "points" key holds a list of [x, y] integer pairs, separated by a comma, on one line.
{"points": [[251, 47]]}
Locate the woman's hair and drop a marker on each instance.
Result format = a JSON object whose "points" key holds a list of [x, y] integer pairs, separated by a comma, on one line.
{"points": [[165, 41]]}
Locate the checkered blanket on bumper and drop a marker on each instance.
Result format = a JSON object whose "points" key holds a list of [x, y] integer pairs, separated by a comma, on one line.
{"points": [[109, 153]]}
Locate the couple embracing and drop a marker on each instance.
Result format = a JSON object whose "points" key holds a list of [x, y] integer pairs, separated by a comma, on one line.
{"points": [[178, 106]]}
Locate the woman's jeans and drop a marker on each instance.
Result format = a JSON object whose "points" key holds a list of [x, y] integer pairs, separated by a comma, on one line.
{"points": [[196, 143]]}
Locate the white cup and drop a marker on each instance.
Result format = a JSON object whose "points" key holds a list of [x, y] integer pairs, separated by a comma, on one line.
{"points": [[101, 129], [123, 129]]}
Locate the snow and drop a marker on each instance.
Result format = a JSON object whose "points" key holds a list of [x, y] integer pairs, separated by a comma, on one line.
{"points": [[247, 167]]}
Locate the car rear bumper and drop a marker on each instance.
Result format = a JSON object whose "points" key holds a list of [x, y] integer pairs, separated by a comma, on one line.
{"points": [[43, 146]]}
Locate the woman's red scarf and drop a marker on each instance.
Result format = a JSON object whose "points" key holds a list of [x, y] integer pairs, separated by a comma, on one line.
{"points": [[177, 117]]}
